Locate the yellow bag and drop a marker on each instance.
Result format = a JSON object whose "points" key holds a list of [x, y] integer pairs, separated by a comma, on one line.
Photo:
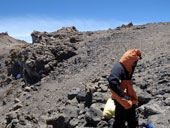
{"points": [[109, 109]]}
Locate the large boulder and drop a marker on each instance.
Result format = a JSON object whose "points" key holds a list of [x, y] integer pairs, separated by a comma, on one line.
{"points": [[93, 116], [59, 121]]}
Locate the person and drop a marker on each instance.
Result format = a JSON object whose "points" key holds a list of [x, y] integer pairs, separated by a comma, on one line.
{"points": [[123, 93]]}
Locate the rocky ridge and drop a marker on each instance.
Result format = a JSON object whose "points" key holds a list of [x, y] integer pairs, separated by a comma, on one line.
{"points": [[63, 75]]}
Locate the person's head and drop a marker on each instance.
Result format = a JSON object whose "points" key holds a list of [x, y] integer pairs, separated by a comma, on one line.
{"points": [[130, 59]]}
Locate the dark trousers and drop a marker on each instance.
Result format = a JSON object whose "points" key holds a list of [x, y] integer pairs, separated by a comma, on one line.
{"points": [[122, 115]]}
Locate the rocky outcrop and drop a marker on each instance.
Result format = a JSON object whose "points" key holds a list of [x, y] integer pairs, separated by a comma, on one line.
{"points": [[4, 33], [65, 33], [8, 44], [46, 53], [125, 26]]}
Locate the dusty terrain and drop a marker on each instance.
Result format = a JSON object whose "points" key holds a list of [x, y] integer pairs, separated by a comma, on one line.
{"points": [[63, 76]]}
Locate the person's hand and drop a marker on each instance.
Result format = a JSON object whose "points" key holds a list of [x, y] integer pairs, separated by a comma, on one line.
{"points": [[126, 103], [135, 102], [129, 104]]}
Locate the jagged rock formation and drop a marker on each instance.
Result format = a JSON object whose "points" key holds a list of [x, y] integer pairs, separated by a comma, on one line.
{"points": [[125, 26], [8, 44], [63, 77], [47, 52]]}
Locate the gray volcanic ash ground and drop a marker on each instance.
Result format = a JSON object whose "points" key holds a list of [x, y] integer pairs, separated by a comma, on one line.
{"points": [[59, 81]]}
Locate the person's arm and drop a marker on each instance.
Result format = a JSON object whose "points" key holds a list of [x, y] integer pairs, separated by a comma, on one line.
{"points": [[117, 93], [114, 78], [125, 103]]}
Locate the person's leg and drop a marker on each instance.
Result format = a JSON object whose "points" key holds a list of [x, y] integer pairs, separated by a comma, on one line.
{"points": [[132, 117], [120, 116]]}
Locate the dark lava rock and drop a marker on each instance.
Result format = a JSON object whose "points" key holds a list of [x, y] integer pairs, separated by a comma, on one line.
{"points": [[61, 121], [73, 93], [93, 116], [81, 96]]}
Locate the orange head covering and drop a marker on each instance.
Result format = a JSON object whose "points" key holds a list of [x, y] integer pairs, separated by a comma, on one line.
{"points": [[129, 58]]}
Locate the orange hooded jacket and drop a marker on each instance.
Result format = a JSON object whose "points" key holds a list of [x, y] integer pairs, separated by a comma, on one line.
{"points": [[128, 60]]}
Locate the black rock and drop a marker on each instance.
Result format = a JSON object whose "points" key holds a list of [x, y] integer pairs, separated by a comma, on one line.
{"points": [[73, 93], [61, 121], [89, 97], [93, 116], [81, 96]]}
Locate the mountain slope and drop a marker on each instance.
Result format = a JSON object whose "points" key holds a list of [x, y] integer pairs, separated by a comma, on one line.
{"points": [[43, 101]]}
